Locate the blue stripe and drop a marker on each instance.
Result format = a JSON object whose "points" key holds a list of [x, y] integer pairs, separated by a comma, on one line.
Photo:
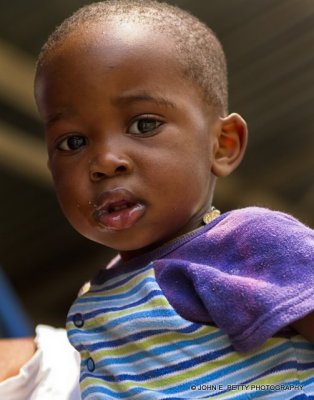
{"points": [[122, 279], [130, 338], [303, 345], [92, 314], [308, 381], [183, 388], [223, 373], [280, 367], [159, 372], [305, 366], [155, 313], [124, 295], [93, 389], [161, 350]]}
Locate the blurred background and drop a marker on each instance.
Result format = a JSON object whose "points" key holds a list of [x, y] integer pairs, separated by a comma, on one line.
{"points": [[270, 52]]}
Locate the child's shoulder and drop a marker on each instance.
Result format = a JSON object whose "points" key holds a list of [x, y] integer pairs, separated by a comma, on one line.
{"points": [[262, 232], [261, 214], [255, 221]]}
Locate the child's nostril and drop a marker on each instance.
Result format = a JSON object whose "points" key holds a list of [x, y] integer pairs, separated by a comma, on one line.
{"points": [[121, 168], [98, 175]]}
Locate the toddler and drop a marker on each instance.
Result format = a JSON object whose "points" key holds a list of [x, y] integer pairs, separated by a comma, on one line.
{"points": [[133, 95]]}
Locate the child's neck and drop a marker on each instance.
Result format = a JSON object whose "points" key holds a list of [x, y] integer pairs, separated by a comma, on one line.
{"points": [[204, 219]]}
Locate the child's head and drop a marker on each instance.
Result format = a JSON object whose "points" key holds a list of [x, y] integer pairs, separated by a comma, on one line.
{"points": [[195, 46], [134, 100]]}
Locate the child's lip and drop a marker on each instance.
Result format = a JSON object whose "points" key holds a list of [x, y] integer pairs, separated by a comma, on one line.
{"points": [[117, 209], [118, 195]]}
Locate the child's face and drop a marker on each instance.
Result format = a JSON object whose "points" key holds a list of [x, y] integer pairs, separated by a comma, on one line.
{"points": [[130, 141]]}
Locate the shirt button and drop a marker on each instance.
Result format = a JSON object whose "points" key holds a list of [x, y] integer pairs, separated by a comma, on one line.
{"points": [[90, 364], [78, 320]]}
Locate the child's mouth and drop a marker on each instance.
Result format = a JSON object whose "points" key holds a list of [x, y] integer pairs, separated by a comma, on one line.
{"points": [[118, 209]]}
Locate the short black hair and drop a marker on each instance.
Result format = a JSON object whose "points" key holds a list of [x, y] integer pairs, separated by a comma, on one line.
{"points": [[197, 48]]}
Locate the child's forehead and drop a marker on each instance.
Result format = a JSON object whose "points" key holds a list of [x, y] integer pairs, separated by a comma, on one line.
{"points": [[110, 44], [110, 40], [133, 59], [137, 49], [127, 31]]}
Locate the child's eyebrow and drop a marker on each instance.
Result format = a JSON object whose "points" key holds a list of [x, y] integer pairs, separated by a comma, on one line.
{"points": [[143, 97], [123, 99], [55, 117]]}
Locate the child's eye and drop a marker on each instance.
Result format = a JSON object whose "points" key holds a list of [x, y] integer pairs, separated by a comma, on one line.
{"points": [[72, 143], [144, 126]]}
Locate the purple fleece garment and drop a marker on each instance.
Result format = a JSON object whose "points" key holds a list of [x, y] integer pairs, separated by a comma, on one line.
{"points": [[250, 272]]}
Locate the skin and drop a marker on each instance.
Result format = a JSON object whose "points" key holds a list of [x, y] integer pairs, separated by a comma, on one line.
{"points": [[95, 94], [14, 354]]}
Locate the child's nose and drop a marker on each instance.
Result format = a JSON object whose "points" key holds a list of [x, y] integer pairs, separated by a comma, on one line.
{"points": [[107, 165]]}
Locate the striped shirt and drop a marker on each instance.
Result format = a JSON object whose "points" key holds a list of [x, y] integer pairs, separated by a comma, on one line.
{"points": [[135, 345]]}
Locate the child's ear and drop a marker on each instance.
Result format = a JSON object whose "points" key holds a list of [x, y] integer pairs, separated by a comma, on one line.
{"points": [[230, 144]]}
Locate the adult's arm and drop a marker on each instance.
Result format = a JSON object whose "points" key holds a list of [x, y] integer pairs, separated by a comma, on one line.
{"points": [[14, 353]]}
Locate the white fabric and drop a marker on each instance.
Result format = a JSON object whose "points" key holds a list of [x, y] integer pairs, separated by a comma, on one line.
{"points": [[51, 374]]}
